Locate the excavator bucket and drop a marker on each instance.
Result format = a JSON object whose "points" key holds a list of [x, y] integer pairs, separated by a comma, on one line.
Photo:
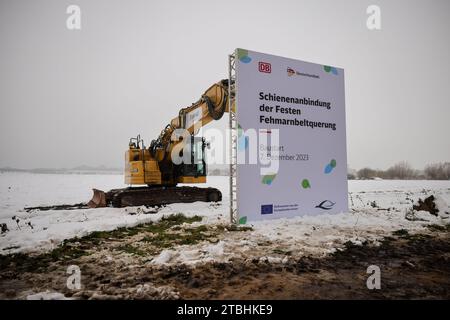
{"points": [[98, 199]]}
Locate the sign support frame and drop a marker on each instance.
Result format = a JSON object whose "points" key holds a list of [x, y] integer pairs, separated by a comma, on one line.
{"points": [[233, 126]]}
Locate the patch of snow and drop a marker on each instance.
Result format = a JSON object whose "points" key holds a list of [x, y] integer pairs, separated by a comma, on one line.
{"points": [[271, 260], [442, 206], [47, 295], [193, 255], [215, 250], [147, 290], [164, 257]]}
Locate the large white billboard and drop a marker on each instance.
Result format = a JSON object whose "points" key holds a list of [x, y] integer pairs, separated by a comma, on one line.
{"points": [[292, 156]]}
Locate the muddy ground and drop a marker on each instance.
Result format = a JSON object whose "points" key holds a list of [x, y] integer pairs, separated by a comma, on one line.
{"points": [[117, 265]]}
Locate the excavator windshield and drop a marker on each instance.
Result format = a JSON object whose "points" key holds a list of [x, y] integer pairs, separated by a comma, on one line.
{"points": [[197, 151], [197, 165]]}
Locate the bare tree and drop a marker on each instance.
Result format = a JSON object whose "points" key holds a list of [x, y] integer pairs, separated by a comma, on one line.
{"points": [[402, 171], [366, 173], [438, 171], [381, 174]]}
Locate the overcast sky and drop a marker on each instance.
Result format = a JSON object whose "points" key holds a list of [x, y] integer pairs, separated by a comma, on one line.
{"points": [[75, 97]]}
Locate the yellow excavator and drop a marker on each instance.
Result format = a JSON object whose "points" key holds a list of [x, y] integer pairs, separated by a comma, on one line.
{"points": [[155, 168]]}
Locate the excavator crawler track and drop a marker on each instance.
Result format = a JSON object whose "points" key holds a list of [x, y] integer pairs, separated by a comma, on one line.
{"points": [[153, 196]]}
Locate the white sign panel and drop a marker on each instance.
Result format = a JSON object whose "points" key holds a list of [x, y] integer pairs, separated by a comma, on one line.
{"points": [[291, 136]]}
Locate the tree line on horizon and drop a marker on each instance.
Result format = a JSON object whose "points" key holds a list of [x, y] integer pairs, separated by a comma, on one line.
{"points": [[404, 171]]}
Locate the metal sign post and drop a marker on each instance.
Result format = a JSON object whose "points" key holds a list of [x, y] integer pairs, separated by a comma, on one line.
{"points": [[233, 137]]}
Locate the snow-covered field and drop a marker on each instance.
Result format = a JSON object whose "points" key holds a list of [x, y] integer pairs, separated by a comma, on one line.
{"points": [[376, 209]]}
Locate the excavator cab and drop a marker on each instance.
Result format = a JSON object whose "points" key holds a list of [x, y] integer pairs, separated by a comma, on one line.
{"points": [[141, 168], [195, 171]]}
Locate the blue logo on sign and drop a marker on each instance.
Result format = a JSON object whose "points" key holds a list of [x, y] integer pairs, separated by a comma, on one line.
{"points": [[267, 209]]}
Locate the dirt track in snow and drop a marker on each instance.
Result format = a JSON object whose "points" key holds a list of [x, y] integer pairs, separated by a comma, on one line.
{"points": [[413, 266]]}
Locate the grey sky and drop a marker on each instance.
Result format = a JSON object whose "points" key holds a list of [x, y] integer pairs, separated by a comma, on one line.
{"points": [[75, 97]]}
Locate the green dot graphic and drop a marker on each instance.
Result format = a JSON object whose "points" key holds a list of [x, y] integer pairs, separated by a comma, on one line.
{"points": [[327, 68], [305, 184], [242, 53], [240, 130], [333, 163]]}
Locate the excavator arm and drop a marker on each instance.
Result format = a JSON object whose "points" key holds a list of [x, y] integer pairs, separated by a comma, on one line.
{"points": [[211, 106]]}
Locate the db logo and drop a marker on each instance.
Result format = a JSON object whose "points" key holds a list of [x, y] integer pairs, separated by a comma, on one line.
{"points": [[264, 67]]}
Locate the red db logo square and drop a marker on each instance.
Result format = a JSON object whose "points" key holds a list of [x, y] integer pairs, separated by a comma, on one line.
{"points": [[264, 67]]}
